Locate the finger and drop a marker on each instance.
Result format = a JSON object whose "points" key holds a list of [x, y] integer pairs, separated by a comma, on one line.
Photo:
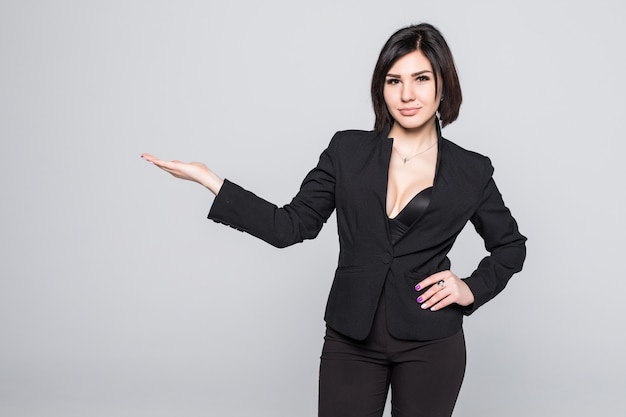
{"points": [[156, 161], [445, 302], [435, 298], [437, 278], [167, 165], [425, 283], [148, 157], [431, 279], [426, 298], [168, 170]]}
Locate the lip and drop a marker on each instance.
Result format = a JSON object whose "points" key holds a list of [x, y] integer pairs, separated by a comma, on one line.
{"points": [[409, 111]]}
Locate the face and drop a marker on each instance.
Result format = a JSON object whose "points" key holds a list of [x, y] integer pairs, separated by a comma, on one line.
{"points": [[409, 92]]}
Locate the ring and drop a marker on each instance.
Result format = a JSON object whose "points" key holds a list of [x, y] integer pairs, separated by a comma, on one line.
{"points": [[441, 283]]}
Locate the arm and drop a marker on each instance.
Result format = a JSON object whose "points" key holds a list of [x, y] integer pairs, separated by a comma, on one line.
{"points": [[495, 224], [302, 219], [507, 247]]}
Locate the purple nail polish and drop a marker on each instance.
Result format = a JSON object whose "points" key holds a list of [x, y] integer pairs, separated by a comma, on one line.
{"points": [[417, 287], [420, 299]]}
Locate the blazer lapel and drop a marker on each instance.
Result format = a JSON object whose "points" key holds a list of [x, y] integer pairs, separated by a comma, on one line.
{"points": [[385, 147]]}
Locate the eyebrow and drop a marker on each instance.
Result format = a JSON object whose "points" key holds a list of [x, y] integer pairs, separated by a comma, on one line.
{"points": [[412, 75]]}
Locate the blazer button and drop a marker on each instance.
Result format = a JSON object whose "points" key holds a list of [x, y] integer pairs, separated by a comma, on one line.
{"points": [[386, 257]]}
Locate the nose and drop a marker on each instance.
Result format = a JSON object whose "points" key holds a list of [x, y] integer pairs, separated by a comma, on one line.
{"points": [[407, 93]]}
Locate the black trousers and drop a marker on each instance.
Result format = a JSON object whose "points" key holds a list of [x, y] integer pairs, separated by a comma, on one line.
{"points": [[355, 376]]}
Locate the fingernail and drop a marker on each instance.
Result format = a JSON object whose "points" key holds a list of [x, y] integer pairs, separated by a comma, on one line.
{"points": [[420, 299], [417, 287], [424, 306]]}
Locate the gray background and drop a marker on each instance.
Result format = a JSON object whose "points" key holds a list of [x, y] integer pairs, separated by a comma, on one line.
{"points": [[118, 297]]}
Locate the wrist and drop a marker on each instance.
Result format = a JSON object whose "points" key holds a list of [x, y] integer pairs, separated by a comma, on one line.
{"points": [[212, 182]]}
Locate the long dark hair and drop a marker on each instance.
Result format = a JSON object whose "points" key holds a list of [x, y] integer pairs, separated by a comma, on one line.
{"points": [[428, 39]]}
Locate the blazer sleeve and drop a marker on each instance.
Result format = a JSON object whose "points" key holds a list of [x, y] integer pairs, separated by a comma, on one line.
{"points": [[506, 246], [301, 219]]}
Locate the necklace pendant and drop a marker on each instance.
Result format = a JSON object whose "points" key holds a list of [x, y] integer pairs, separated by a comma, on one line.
{"points": [[405, 159]]}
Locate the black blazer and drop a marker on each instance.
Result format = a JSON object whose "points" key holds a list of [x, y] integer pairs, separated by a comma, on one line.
{"points": [[351, 177]]}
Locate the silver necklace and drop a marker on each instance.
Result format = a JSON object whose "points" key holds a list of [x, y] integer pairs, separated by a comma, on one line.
{"points": [[406, 159]]}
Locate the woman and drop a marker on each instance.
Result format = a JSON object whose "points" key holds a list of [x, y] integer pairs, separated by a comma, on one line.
{"points": [[402, 194]]}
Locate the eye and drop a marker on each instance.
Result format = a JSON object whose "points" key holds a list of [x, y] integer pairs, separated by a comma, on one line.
{"points": [[392, 81], [422, 78]]}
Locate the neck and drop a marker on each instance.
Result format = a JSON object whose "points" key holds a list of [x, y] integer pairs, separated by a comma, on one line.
{"points": [[412, 140]]}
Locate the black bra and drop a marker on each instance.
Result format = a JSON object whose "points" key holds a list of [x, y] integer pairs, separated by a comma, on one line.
{"points": [[409, 214]]}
